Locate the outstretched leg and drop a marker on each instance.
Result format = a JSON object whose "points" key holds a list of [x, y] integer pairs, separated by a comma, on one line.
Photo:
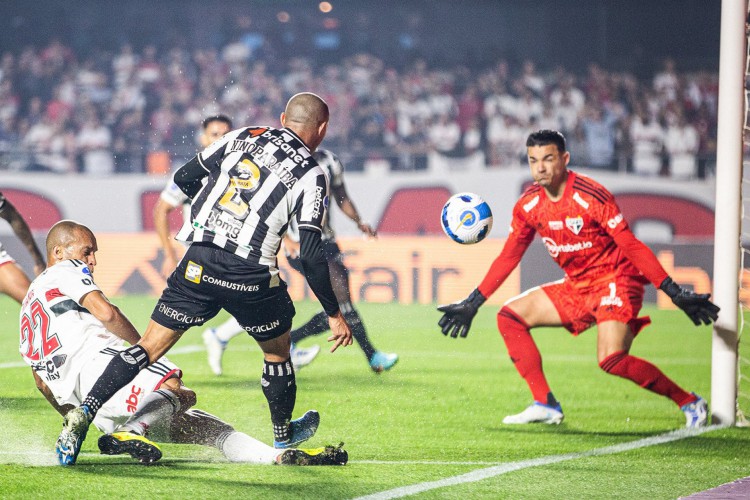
{"points": [[614, 342]]}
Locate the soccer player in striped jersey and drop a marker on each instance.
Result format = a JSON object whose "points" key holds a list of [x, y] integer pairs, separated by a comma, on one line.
{"points": [[69, 332], [245, 188], [13, 281], [606, 268], [378, 361]]}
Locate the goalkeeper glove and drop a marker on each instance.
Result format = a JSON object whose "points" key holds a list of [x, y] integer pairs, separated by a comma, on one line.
{"points": [[458, 316], [695, 305]]}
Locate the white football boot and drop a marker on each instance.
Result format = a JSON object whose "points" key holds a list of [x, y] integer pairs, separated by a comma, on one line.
{"points": [[303, 356], [214, 349], [696, 413], [537, 413]]}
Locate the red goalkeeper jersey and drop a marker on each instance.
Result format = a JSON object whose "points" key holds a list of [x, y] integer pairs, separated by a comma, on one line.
{"points": [[584, 232]]}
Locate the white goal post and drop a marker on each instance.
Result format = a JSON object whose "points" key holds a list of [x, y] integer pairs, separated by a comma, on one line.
{"points": [[727, 244]]}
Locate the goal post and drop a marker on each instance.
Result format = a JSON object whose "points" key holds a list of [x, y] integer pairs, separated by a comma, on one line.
{"points": [[727, 241]]}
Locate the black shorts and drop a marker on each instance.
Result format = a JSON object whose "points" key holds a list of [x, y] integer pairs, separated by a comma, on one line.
{"points": [[209, 279]]}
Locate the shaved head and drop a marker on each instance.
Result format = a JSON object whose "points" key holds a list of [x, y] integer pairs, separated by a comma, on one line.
{"points": [[70, 240], [306, 109], [306, 114]]}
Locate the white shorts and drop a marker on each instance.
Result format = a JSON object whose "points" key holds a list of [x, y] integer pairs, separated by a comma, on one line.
{"points": [[4, 256], [124, 403]]}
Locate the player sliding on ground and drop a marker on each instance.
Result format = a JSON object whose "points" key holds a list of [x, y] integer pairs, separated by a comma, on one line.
{"points": [[70, 332], [246, 188], [605, 267]]}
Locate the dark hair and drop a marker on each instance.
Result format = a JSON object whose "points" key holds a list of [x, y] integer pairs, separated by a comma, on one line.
{"points": [[545, 137], [217, 118]]}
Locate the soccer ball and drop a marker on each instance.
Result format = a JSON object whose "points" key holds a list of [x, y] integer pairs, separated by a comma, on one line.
{"points": [[466, 218]]}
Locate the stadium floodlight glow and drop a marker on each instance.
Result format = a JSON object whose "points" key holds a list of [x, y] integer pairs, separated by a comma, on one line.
{"points": [[325, 7], [283, 16]]}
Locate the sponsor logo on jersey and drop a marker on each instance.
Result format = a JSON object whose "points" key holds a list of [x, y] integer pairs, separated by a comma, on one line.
{"points": [[318, 200], [554, 249], [286, 147], [179, 316], [193, 272], [224, 224], [263, 328], [575, 224], [240, 287], [614, 221], [555, 225], [85, 270]]}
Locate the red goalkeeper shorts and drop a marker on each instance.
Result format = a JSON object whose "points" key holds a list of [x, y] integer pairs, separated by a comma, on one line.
{"points": [[619, 299]]}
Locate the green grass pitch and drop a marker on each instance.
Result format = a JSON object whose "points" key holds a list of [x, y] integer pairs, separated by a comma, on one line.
{"points": [[436, 415]]}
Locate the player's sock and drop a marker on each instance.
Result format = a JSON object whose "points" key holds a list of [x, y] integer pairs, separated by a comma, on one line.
{"points": [[239, 447], [280, 388], [524, 354], [317, 325], [153, 415], [122, 369], [359, 333], [646, 375], [228, 330]]}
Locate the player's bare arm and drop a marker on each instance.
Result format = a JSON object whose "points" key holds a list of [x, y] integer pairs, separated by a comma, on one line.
{"points": [[347, 206], [111, 316], [21, 229], [47, 393], [161, 224]]}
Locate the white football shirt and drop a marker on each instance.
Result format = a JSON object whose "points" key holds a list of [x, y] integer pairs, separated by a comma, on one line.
{"points": [[58, 336]]}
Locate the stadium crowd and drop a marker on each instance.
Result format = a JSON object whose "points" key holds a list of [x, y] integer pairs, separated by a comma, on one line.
{"points": [[103, 113]]}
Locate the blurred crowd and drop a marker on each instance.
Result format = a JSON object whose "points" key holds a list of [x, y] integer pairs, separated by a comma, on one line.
{"points": [[134, 110]]}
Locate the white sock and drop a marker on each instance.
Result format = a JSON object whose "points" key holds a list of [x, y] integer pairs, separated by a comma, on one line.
{"points": [[228, 330], [153, 415], [239, 447]]}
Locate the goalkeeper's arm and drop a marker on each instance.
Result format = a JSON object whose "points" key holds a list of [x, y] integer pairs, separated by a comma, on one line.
{"points": [[696, 305]]}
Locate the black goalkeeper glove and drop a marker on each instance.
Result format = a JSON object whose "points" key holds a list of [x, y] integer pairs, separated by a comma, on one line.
{"points": [[696, 305], [458, 316]]}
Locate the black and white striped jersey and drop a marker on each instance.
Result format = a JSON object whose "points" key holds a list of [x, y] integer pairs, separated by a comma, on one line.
{"points": [[257, 179], [333, 167]]}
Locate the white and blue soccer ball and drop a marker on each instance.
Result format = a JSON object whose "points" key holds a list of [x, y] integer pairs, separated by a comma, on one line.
{"points": [[466, 218]]}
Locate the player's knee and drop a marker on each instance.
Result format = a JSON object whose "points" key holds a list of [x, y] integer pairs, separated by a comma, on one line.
{"points": [[188, 397], [611, 363], [508, 321]]}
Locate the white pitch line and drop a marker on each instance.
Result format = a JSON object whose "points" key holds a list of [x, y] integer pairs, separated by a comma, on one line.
{"points": [[490, 472], [188, 349]]}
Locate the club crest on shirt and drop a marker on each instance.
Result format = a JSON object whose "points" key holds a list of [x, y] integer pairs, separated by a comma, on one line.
{"points": [[575, 224]]}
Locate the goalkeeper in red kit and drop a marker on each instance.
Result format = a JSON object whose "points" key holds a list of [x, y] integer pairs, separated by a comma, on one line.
{"points": [[606, 268]]}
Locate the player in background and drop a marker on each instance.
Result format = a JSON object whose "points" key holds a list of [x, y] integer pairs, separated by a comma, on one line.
{"points": [[246, 188], [69, 333], [171, 197], [13, 281], [605, 267], [216, 339], [379, 361]]}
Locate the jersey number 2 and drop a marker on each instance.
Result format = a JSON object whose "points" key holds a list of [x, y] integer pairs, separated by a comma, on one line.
{"points": [[36, 322]]}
